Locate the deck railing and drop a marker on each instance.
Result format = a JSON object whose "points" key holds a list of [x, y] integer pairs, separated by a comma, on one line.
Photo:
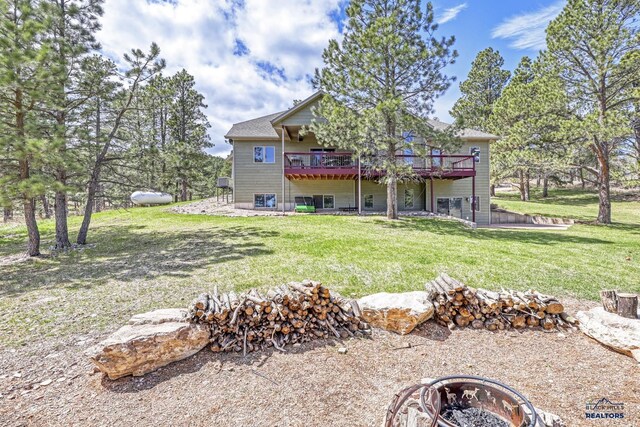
{"points": [[431, 164], [320, 160]]}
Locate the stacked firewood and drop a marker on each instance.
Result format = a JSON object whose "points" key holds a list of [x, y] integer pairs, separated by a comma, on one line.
{"points": [[459, 305], [295, 313]]}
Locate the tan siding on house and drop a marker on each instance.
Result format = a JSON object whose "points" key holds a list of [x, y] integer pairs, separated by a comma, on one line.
{"points": [[344, 192], [379, 192], [251, 178], [302, 117], [462, 187]]}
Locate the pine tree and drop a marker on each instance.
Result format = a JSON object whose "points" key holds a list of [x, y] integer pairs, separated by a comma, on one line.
{"points": [[591, 40], [481, 90], [142, 67], [187, 126], [532, 118], [380, 82], [71, 35], [24, 77]]}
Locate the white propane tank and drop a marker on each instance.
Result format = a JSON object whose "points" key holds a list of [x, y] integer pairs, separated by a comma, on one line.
{"points": [[151, 198]]}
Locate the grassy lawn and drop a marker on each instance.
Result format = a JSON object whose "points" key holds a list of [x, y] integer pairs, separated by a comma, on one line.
{"points": [[149, 258]]}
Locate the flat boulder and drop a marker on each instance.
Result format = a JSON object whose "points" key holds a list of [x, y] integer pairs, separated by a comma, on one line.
{"points": [[619, 333], [147, 343], [399, 313], [156, 317]]}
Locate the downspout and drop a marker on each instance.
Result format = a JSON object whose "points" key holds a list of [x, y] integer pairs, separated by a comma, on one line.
{"points": [[473, 192], [283, 198]]}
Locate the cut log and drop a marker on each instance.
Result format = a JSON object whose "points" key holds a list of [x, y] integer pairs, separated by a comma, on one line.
{"points": [[627, 305], [609, 300]]}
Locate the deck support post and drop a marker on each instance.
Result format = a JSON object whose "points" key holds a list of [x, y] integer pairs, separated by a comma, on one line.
{"points": [[283, 177], [473, 198], [359, 188], [431, 194]]}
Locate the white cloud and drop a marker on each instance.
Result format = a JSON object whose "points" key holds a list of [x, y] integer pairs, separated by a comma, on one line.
{"points": [[278, 45], [451, 13], [527, 30]]}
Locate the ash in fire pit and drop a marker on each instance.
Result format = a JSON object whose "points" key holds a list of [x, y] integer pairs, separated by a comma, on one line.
{"points": [[471, 417]]}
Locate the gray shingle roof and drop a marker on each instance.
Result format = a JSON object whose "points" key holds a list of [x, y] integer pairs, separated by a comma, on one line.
{"points": [[255, 128], [261, 127]]}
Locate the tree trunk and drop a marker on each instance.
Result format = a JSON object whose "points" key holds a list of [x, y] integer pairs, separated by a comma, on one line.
{"points": [[45, 206], [33, 245], [538, 180], [604, 194], [492, 189], [183, 192], [93, 182], [521, 187], [392, 198], [527, 188], [88, 209], [61, 213], [7, 214], [545, 186], [582, 182]]}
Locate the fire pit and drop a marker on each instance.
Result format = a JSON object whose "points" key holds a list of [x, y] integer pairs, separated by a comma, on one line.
{"points": [[462, 401]]}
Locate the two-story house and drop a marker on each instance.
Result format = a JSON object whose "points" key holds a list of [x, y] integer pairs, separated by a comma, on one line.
{"points": [[273, 163]]}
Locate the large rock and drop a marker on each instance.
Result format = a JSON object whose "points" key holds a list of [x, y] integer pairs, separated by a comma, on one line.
{"points": [[617, 332], [148, 342], [157, 317], [399, 313]]}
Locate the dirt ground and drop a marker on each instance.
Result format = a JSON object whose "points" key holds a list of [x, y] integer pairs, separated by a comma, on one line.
{"points": [[313, 385]]}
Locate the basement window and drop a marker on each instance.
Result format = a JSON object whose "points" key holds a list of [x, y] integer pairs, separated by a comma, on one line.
{"points": [[264, 154], [328, 202], [267, 200], [368, 201]]}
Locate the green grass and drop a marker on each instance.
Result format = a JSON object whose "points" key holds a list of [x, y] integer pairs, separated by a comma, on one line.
{"points": [[148, 258]]}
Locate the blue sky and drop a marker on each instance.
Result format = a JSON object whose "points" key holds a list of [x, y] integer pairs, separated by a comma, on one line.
{"points": [[253, 57]]}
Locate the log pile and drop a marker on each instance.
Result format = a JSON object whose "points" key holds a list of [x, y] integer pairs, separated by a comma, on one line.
{"points": [[295, 313], [458, 305]]}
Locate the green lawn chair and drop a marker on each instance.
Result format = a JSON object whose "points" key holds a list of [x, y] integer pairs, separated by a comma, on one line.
{"points": [[305, 205]]}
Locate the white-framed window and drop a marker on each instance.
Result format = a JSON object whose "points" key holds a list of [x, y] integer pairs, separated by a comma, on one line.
{"points": [[368, 201], [264, 200], [328, 201], [477, 203], [264, 154], [408, 198], [475, 152]]}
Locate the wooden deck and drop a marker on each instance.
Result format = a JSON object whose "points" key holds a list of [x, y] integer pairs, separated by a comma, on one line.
{"points": [[344, 166]]}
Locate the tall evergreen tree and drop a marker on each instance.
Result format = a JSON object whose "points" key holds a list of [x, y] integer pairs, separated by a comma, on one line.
{"points": [[188, 126], [25, 72], [590, 41], [71, 35], [380, 84], [142, 67], [481, 90], [530, 116]]}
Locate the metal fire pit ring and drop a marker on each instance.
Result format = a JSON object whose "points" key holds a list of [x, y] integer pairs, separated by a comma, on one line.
{"points": [[510, 406]]}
